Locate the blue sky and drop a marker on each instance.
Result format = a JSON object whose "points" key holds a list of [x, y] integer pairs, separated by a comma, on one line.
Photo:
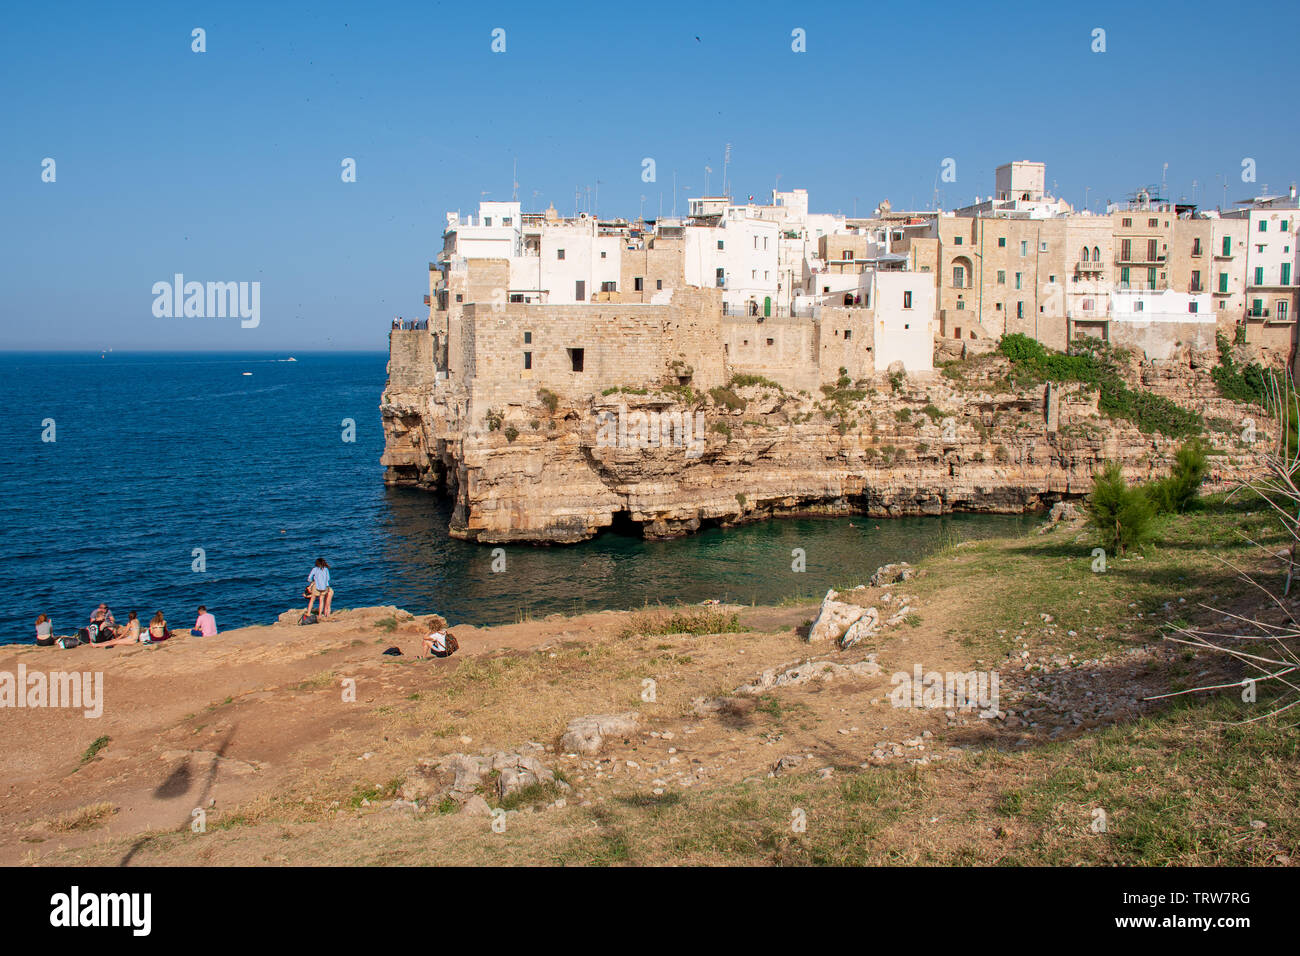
{"points": [[225, 165]]}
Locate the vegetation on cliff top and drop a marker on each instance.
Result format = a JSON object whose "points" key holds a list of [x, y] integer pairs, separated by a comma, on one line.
{"points": [[1240, 383], [1095, 364]]}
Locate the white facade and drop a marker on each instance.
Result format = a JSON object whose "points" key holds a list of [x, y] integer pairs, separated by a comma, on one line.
{"points": [[1160, 322], [739, 256], [904, 304], [1271, 263]]}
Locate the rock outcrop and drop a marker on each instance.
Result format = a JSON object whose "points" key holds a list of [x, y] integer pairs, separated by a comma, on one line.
{"points": [[550, 471]]}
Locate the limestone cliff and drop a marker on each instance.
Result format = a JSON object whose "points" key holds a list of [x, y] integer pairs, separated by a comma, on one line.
{"points": [[554, 470]]}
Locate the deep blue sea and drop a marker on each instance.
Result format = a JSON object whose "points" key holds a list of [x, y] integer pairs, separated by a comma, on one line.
{"points": [[156, 455]]}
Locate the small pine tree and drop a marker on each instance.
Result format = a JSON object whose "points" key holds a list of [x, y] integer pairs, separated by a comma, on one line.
{"points": [[1121, 514], [1177, 493]]}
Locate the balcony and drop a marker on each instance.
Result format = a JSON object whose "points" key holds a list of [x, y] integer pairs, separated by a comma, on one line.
{"points": [[1089, 266], [1257, 314], [1140, 259]]}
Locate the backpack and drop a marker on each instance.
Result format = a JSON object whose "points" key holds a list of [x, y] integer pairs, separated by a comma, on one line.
{"points": [[307, 619], [453, 645]]}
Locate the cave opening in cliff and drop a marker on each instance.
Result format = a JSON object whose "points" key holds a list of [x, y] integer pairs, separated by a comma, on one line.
{"points": [[621, 524]]}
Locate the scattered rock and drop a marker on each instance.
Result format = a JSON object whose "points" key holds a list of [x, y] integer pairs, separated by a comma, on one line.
{"points": [[586, 735]]}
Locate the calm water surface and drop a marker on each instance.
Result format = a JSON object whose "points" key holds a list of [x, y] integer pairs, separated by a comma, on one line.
{"points": [[158, 455]]}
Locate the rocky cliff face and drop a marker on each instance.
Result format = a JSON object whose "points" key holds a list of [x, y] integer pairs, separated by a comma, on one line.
{"points": [[563, 467]]}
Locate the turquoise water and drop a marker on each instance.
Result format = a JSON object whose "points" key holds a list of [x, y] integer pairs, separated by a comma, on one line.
{"points": [[158, 455]]}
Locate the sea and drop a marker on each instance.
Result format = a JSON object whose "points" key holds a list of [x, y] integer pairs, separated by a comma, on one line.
{"points": [[156, 481]]}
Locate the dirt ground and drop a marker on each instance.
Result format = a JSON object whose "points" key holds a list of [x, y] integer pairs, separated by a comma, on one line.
{"points": [[251, 746]]}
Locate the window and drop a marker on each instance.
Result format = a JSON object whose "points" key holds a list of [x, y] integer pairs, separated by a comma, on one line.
{"points": [[1051, 280], [1138, 305], [961, 306], [959, 277], [528, 338], [1281, 309], [957, 331], [528, 360], [719, 243], [1196, 280], [1126, 250], [1087, 305], [1191, 306], [1024, 247], [517, 297], [1284, 224], [487, 220], [1256, 307], [1083, 256], [753, 273], [1123, 277], [1227, 245], [1286, 273], [1096, 253], [1263, 225], [1151, 278], [602, 254], [1017, 280], [1020, 309], [1259, 275], [1196, 246], [848, 334], [1002, 242], [507, 221], [956, 240], [997, 307], [559, 253], [659, 283], [1153, 223], [756, 242], [907, 299], [460, 297], [580, 290], [609, 287], [638, 284], [1002, 277], [1126, 223], [1153, 250], [721, 277], [1223, 282], [848, 254], [576, 359], [1042, 247], [771, 341]]}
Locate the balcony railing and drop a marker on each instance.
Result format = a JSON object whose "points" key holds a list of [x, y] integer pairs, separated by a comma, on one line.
{"points": [[1084, 265], [1136, 259], [1258, 313]]}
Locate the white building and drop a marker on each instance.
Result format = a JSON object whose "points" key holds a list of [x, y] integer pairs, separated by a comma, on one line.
{"points": [[1159, 322], [905, 320]]}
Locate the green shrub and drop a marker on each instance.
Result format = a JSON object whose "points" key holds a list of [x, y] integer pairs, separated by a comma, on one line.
{"points": [[726, 397], [549, 399], [1177, 493], [1122, 515], [1238, 383], [902, 414], [511, 433]]}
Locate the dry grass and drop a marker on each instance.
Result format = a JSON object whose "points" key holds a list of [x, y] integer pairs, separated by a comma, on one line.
{"points": [[82, 818]]}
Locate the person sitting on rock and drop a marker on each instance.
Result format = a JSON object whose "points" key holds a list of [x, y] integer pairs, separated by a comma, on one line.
{"points": [[205, 625], [435, 642], [129, 633], [158, 629], [44, 631]]}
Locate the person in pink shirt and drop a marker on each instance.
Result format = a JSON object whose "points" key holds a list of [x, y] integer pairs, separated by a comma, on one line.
{"points": [[205, 625]]}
